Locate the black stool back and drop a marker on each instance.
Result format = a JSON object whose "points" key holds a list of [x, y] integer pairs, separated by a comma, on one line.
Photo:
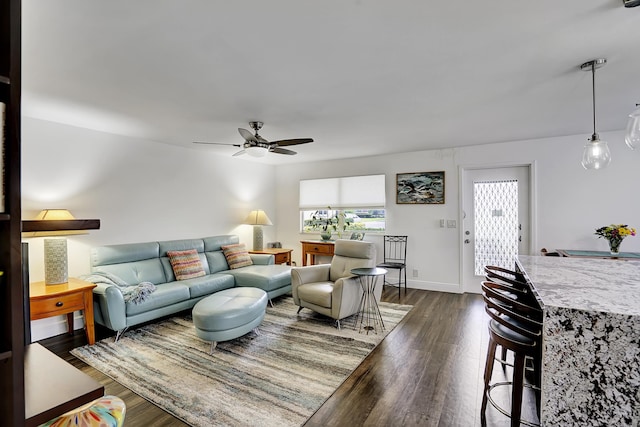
{"points": [[516, 326]]}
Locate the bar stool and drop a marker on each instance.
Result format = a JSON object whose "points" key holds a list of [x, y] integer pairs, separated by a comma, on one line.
{"points": [[517, 327], [516, 281], [516, 285]]}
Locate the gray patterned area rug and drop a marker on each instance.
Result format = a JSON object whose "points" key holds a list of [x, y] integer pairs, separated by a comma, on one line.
{"points": [[278, 377]]}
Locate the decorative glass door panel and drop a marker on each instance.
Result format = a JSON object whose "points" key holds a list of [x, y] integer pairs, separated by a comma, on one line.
{"points": [[496, 224]]}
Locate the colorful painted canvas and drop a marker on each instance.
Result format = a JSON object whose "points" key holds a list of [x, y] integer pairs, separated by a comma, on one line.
{"points": [[420, 188]]}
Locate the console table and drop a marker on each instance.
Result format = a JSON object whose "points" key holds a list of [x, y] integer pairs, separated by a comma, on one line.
{"points": [[598, 254], [591, 330], [316, 247], [53, 386], [282, 255], [55, 300]]}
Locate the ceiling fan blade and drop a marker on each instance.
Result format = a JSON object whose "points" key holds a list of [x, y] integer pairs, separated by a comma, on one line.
{"points": [[238, 153], [216, 143], [248, 136], [285, 142], [279, 150]]}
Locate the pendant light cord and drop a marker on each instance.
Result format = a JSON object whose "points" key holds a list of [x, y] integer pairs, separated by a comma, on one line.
{"points": [[593, 92]]}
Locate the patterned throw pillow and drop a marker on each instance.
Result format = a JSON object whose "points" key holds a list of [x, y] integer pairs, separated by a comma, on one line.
{"points": [[186, 264], [237, 255]]}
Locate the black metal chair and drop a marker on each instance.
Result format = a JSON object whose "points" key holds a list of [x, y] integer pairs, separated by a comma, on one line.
{"points": [[517, 327], [395, 257]]}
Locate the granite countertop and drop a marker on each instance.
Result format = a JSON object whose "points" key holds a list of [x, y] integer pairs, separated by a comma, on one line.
{"points": [[596, 285]]}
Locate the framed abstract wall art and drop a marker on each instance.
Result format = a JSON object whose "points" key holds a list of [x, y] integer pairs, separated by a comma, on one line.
{"points": [[420, 188]]}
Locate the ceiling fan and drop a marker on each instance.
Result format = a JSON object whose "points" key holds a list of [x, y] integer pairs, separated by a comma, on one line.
{"points": [[257, 146]]}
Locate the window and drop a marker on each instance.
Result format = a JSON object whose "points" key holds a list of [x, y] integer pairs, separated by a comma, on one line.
{"points": [[343, 204]]}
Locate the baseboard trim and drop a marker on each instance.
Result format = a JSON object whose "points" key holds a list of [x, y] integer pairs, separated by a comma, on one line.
{"points": [[453, 288], [52, 326]]}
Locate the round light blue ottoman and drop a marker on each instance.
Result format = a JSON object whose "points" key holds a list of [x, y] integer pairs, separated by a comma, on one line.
{"points": [[229, 314]]}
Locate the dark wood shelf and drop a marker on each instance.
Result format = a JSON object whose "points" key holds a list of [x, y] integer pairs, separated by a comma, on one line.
{"points": [[60, 225], [12, 289]]}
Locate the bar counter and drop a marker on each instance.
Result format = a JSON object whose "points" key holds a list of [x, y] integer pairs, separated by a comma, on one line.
{"points": [[591, 339]]}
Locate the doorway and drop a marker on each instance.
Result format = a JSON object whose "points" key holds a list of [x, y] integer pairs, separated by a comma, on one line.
{"points": [[495, 218]]}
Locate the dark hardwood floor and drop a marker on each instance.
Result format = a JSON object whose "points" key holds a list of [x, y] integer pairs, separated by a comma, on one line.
{"points": [[427, 371]]}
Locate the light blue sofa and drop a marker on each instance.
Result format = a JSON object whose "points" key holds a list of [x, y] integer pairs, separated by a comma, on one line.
{"points": [[148, 262]]}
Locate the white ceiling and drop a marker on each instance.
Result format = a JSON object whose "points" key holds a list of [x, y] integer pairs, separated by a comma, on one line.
{"points": [[361, 77]]}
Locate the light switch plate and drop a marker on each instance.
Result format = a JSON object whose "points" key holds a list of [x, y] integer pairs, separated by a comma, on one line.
{"points": [[451, 223]]}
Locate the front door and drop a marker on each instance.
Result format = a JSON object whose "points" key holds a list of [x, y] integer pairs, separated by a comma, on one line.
{"points": [[495, 220]]}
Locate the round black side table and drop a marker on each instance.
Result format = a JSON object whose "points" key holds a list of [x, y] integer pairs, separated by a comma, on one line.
{"points": [[369, 316]]}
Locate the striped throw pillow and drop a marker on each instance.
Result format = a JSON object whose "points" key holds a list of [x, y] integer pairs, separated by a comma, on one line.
{"points": [[186, 264], [237, 255]]}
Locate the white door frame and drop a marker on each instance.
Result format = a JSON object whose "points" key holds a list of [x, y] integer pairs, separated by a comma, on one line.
{"points": [[533, 218]]}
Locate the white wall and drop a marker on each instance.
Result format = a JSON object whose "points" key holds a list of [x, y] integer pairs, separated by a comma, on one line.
{"points": [[570, 201], [140, 190]]}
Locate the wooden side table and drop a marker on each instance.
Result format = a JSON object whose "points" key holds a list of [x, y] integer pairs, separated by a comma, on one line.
{"points": [[55, 300], [282, 255], [316, 247]]}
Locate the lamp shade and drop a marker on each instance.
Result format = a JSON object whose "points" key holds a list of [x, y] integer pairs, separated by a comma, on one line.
{"points": [[54, 214], [258, 217], [256, 151], [632, 136], [596, 154]]}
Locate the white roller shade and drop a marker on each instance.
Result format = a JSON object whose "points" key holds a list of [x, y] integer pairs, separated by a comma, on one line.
{"points": [[346, 192]]}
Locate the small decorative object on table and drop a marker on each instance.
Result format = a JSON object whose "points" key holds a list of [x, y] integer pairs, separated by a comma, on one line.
{"points": [[614, 234]]}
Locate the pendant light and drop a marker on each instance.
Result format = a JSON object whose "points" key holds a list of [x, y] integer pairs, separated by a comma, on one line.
{"points": [[596, 154], [632, 136]]}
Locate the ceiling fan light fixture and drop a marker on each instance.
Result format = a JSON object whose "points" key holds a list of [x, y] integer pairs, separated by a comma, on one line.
{"points": [[256, 146], [632, 135], [596, 154], [256, 151]]}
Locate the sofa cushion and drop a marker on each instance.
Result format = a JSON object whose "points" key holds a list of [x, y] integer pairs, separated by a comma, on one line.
{"points": [[165, 294], [148, 270], [318, 293], [215, 243], [237, 256], [180, 245], [208, 284], [125, 253], [266, 277], [186, 264]]}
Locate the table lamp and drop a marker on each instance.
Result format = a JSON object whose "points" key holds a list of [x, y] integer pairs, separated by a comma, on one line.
{"points": [[56, 222], [258, 218]]}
